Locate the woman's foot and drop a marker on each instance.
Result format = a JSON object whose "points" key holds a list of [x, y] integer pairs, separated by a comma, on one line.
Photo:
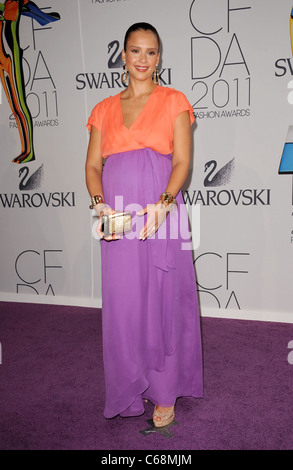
{"points": [[163, 416]]}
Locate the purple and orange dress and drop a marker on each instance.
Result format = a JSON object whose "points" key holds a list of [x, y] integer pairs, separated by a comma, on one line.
{"points": [[150, 314]]}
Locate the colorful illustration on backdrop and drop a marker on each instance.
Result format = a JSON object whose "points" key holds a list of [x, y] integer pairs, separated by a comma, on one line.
{"points": [[291, 29], [286, 164], [11, 70]]}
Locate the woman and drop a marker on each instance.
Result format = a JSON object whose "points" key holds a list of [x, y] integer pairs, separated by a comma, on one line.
{"points": [[150, 317]]}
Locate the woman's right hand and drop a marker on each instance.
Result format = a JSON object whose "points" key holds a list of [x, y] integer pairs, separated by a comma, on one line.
{"points": [[104, 209]]}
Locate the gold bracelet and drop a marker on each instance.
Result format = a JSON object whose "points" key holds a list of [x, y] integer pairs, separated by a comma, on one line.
{"points": [[167, 197], [98, 199]]}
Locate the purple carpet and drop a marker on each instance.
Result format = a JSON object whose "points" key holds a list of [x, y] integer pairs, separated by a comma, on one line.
{"points": [[52, 387]]}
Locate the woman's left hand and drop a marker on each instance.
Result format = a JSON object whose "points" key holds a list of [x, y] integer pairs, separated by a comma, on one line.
{"points": [[156, 214]]}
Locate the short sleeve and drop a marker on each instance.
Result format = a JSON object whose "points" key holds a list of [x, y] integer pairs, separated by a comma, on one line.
{"points": [[181, 104], [97, 116]]}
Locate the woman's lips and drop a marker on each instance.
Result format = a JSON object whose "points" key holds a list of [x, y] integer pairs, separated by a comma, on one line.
{"points": [[141, 69]]}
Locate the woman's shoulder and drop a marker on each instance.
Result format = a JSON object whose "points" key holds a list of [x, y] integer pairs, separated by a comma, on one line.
{"points": [[169, 91], [176, 102], [100, 112], [174, 97], [105, 103]]}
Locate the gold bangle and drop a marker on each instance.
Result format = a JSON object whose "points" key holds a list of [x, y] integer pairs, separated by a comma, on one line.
{"points": [[168, 198], [97, 199]]}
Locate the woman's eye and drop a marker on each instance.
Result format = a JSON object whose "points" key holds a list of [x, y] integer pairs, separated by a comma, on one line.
{"points": [[134, 51]]}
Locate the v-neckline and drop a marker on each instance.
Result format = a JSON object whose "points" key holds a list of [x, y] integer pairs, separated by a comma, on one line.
{"points": [[141, 112]]}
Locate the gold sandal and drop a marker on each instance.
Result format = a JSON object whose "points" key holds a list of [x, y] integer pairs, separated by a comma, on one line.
{"points": [[163, 418]]}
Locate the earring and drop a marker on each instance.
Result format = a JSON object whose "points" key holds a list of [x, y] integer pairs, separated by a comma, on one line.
{"points": [[156, 76], [124, 76]]}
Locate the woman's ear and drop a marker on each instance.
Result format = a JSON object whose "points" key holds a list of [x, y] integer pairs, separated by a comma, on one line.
{"points": [[158, 59]]}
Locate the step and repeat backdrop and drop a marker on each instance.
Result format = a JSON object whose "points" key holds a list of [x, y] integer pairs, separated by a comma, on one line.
{"points": [[233, 59]]}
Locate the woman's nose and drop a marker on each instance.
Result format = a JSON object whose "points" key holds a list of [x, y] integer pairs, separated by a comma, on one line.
{"points": [[143, 57]]}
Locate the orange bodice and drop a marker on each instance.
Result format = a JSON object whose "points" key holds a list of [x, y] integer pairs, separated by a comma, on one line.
{"points": [[153, 128]]}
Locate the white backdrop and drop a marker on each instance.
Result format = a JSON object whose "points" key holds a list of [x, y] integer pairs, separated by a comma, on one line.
{"points": [[233, 60]]}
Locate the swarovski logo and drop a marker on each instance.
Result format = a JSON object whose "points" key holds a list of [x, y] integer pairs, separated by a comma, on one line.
{"points": [[241, 197], [35, 200], [221, 177], [112, 79], [30, 182]]}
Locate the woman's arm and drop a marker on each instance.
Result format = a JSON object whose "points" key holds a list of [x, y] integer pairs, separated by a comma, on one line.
{"points": [[93, 173], [94, 164], [181, 154]]}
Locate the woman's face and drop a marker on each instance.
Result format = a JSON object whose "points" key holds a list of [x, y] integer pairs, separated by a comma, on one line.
{"points": [[142, 54]]}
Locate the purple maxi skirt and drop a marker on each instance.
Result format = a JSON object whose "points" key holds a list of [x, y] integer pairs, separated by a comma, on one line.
{"points": [[150, 313]]}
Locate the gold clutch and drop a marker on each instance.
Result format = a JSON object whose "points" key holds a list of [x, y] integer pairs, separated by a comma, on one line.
{"points": [[117, 223]]}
